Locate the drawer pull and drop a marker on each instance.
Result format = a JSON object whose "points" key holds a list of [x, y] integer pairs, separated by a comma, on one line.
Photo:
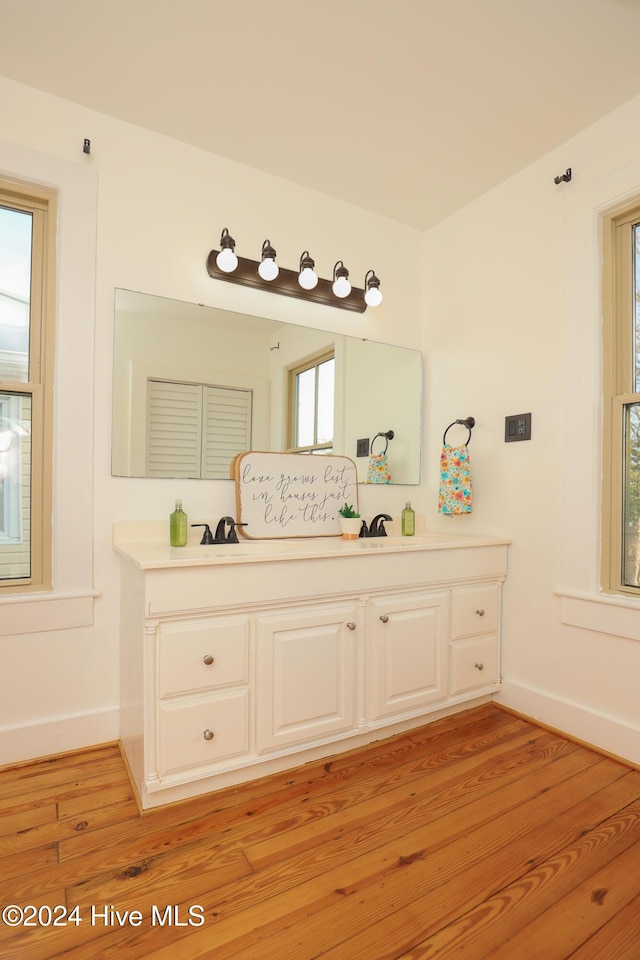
{"points": [[351, 625], [480, 613], [479, 666], [208, 659], [208, 734], [384, 618]]}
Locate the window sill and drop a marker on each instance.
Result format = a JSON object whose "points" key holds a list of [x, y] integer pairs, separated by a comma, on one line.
{"points": [[612, 614], [39, 612]]}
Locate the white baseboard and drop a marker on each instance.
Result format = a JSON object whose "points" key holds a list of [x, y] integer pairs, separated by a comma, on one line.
{"points": [[610, 734], [18, 744]]}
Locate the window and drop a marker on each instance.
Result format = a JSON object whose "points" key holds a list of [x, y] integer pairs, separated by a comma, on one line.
{"points": [[621, 380], [27, 244], [311, 404]]}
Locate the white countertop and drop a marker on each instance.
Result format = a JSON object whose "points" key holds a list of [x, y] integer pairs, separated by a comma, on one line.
{"points": [[155, 553]]}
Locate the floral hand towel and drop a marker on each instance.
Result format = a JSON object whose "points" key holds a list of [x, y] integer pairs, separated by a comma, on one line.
{"points": [[378, 471], [454, 496]]}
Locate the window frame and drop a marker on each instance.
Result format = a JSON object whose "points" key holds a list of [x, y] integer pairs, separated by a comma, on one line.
{"points": [[293, 372], [42, 203], [618, 313]]}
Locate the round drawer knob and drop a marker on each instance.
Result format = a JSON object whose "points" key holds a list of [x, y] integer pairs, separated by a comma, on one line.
{"points": [[479, 666], [480, 613], [208, 734], [384, 618], [208, 659], [351, 625]]}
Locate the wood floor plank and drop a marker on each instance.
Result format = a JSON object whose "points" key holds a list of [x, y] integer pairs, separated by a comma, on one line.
{"points": [[52, 831], [561, 929], [445, 788], [323, 909], [616, 940], [28, 863], [481, 931], [232, 809], [416, 889], [11, 936], [26, 818], [472, 836], [96, 797], [284, 817]]}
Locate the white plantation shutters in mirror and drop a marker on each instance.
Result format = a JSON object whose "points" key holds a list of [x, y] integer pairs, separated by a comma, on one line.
{"points": [[194, 430]]}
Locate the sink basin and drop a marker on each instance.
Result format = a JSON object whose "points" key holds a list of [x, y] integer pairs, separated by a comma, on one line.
{"points": [[300, 546], [395, 542]]}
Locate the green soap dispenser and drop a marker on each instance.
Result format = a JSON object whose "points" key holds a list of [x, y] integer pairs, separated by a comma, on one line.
{"points": [[408, 525], [178, 526]]}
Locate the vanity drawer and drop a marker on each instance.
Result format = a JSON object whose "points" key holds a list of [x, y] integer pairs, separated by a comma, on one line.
{"points": [[474, 663], [475, 609], [203, 732], [203, 654]]}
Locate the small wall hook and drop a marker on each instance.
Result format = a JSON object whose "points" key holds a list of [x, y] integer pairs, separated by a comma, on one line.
{"points": [[564, 177], [86, 146]]}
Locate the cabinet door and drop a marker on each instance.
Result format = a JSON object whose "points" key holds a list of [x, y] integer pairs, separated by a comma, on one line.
{"points": [[408, 649], [306, 680]]}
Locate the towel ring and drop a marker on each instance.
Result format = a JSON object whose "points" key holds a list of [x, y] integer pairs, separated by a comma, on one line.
{"points": [[469, 423], [388, 435]]}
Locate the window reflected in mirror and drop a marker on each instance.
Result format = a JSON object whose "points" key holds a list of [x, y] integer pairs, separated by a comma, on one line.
{"points": [[311, 404]]}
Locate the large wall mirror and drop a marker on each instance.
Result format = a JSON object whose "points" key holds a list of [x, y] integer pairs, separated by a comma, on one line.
{"points": [[194, 385]]}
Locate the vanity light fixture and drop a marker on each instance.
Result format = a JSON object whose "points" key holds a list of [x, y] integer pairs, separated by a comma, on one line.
{"points": [[268, 268], [341, 286], [226, 259], [372, 295], [303, 283], [307, 277]]}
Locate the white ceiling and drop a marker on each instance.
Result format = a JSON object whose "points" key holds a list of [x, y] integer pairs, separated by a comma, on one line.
{"points": [[410, 108]]}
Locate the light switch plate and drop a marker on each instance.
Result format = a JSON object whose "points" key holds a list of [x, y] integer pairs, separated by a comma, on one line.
{"points": [[362, 447], [517, 427]]}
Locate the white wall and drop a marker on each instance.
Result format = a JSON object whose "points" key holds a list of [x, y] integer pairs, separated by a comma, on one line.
{"points": [[512, 286], [510, 293], [142, 212]]}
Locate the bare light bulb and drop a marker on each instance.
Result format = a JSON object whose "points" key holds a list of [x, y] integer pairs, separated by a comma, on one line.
{"points": [[226, 260], [342, 287], [268, 268], [373, 297], [307, 278]]}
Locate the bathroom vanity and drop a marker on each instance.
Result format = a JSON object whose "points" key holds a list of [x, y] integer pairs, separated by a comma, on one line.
{"points": [[240, 660]]}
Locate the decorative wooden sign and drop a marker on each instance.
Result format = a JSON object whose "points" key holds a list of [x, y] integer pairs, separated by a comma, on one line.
{"points": [[292, 495]]}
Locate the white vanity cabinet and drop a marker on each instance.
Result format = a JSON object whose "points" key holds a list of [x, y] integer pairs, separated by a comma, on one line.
{"points": [[236, 663]]}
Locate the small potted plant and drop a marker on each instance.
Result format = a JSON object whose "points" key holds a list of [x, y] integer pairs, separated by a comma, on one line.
{"points": [[350, 522]]}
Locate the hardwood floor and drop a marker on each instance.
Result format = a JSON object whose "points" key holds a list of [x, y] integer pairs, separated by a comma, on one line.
{"points": [[480, 835]]}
